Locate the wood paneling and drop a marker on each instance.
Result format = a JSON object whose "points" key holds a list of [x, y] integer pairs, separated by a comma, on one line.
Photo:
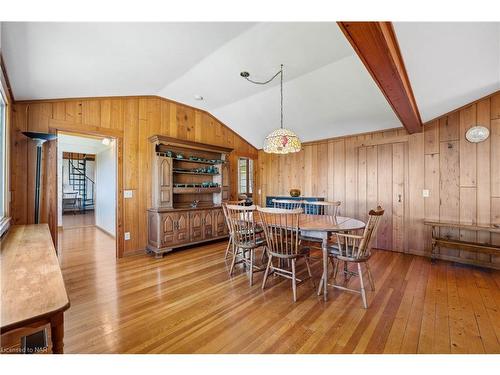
{"points": [[431, 136], [463, 179], [468, 164], [131, 119], [495, 156]]}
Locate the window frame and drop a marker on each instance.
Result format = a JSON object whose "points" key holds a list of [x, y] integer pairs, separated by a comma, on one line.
{"points": [[249, 177], [5, 218]]}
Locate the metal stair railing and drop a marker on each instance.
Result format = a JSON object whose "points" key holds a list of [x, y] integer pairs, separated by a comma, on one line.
{"points": [[81, 183]]}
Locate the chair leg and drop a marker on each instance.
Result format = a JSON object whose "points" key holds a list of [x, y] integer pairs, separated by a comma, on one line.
{"points": [[235, 253], [294, 282], [229, 244], [336, 270], [309, 270], [363, 293], [370, 277], [252, 256], [322, 282], [320, 288], [266, 273]]}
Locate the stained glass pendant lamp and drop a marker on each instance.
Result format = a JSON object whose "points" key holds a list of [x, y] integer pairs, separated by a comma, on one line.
{"points": [[280, 141]]}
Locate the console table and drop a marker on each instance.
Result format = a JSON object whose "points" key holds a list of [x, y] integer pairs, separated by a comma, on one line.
{"points": [[33, 291], [438, 240]]}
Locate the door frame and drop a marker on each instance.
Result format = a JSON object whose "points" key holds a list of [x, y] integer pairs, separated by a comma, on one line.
{"points": [[56, 127], [405, 196]]}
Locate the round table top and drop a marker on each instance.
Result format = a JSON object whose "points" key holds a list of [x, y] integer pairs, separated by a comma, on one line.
{"points": [[326, 223]]}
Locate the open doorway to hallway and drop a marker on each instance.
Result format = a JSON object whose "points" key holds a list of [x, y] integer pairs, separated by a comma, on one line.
{"points": [[86, 186], [78, 188]]}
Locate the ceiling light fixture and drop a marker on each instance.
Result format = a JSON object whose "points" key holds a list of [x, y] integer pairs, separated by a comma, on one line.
{"points": [[280, 141], [198, 97], [477, 134], [106, 141]]}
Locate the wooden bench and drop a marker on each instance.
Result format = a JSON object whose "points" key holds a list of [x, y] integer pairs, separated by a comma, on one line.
{"points": [[33, 291], [438, 240]]}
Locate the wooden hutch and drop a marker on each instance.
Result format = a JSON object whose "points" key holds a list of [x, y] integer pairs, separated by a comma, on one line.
{"points": [[189, 182]]}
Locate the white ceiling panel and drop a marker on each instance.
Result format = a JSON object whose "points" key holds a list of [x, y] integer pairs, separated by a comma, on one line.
{"points": [[61, 60], [301, 47], [450, 64], [335, 100], [328, 92]]}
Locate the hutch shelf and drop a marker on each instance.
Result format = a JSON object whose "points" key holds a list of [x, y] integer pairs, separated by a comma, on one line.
{"points": [[190, 181]]}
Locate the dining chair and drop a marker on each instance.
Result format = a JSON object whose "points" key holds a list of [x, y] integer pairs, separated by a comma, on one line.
{"points": [[229, 248], [352, 248], [321, 208], [287, 204], [246, 238], [281, 230]]}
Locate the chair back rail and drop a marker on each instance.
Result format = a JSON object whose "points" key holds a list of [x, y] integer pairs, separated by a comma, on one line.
{"points": [[242, 226], [358, 247], [287, 204], [322, 208], [224, 210], [281, 228]]}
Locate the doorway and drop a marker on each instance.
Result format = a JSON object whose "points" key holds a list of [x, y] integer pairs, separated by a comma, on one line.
{"points": [[87, 189]]}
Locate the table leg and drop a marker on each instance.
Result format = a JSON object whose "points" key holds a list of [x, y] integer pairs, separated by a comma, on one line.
{"points": [[57, 333], [325, 268]]}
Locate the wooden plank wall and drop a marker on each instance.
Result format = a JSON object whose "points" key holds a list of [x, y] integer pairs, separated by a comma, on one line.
{"points": [[463, 179], [133, 120]]}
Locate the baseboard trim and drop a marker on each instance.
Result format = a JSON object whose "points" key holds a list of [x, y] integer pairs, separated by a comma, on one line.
{"points": [[105, 231]]}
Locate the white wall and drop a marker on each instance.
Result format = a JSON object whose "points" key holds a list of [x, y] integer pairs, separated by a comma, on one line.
{"points": [[106, 189]]}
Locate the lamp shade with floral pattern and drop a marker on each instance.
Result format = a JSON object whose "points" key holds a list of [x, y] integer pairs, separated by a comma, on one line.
{"points": [[282, 141]]}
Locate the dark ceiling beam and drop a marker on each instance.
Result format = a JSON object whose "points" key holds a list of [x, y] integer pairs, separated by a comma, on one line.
{"points": [[377, 46]]}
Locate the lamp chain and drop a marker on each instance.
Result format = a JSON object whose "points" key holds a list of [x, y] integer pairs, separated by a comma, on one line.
{"points": [[280, 73]]}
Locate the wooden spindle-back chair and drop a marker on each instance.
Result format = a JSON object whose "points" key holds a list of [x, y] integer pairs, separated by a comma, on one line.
{"points": [[246, 238], [287, 204], [281, 229], [229, 248], [319, 208], [352, 248], [322, 208]]}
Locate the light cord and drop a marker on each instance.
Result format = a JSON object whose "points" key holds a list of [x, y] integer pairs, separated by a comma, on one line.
{"points": [[280, 73]]}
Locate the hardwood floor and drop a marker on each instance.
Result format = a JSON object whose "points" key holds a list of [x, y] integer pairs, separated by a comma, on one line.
{"points": [[78, 220], [186, 303]]}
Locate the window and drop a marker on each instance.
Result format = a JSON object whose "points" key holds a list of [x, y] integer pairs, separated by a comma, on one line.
{"points": [[4, 220], [245, 176], [3, 147]]}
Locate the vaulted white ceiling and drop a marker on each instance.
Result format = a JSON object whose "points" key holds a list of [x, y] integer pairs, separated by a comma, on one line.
{"points": [[450, 64], [327, 90]]}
